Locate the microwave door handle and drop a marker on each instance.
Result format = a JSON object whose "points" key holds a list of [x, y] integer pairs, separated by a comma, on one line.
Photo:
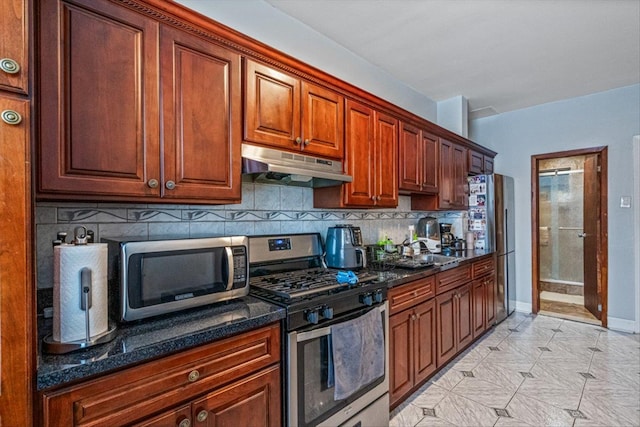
{"points": [[229, 256]]}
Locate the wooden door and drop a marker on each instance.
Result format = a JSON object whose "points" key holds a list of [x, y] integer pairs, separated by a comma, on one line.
{"points": [[488, 165], [429, 163], [17, 366], [401, 354], [272, 107], [386, 161], [424, 340], [464, 313], [322, 121], [446, 327], [591, 216], [99, 113], [460, 192], [410, 158], [479, 310], [14, 46], [445, 194], [172, 418], [201, 101], [476, 162], [253, 401], [490, 291], [359, 155]]}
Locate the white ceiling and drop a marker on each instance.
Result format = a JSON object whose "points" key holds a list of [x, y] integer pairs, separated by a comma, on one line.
{"points": [[501, 55]]}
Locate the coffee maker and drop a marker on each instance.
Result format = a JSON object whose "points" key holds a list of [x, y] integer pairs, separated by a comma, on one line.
{"points": [[446, 237], [344, 247], [429, 232]]}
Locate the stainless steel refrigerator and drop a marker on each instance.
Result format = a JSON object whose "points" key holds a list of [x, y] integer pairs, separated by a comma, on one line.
{"points": [[492, 219]]}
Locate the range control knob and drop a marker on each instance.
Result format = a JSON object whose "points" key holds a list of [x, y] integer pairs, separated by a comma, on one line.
{"points": [[366, 299], [312, 316], [327, 312], [377, 296]]}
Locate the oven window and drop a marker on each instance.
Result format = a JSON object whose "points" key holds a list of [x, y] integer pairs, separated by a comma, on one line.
{"points": [[174, 276]]}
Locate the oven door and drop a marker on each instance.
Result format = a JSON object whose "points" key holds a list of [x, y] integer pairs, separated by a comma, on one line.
{"points": [[310, 399]]}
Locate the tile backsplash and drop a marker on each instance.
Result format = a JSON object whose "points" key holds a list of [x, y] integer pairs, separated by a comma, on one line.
{"points": [[265, 209]]}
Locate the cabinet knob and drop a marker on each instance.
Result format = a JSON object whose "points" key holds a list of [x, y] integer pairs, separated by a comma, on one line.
{"points": [[11, 117], [202, 416], [378, 198], [194, 375], [153, 183], [297, 141], [373, 198], [185, 423], [413, 317], [305, 143], [9, 66], [170, 185]]}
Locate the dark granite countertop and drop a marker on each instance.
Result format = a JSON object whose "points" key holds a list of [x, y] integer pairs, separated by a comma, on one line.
{"points": [[146, 340]]}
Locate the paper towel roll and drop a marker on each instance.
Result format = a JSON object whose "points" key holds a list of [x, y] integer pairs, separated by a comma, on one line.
{"points": [[69, 322]]}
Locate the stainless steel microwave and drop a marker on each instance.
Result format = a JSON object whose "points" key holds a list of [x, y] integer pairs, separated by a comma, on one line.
{"points": [[150, 277]]}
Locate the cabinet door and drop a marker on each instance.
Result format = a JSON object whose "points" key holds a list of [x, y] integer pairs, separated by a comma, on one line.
{"points": [[322, 121], [410, 153], [14, 46], [490, 299], [478, 311], [445, 194], [16, 311], [446, 327], [460, 192], [488, 165], [99, 101], [386, 161], [272, 106], [359, 155], [401, 354], [253, 401], [429, 163], [476, 162], [424, 340], [179, 417], [201, 99], [464, 313]]}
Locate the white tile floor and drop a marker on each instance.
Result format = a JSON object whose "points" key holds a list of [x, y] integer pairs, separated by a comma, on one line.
{"points": [[534, 371]]}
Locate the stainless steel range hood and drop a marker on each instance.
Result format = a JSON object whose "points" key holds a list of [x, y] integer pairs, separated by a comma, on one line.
{"points": [[267, 165]]}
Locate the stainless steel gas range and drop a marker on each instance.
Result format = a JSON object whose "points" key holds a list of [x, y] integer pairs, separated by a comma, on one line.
{"points": [[288, 270]]}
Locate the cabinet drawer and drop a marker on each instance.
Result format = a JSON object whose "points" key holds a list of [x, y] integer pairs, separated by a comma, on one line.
{"points": [[408, 295], [453, 278], [134, 393], [485, 266]]}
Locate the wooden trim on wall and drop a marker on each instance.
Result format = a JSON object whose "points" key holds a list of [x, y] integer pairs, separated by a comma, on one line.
{"points": [[603, 237]]}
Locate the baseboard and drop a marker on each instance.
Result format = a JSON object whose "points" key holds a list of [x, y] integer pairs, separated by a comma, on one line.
{"points": [[523, 307], [622, 325]]}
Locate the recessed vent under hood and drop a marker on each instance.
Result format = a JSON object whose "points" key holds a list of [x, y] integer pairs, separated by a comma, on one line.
{"points": [[266, 165]]}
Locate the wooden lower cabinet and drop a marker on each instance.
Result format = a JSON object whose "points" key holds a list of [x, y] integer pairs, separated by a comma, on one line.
{"points": [[454, 314], [412, 346], [489, 285], [235, 381], [479, 307]]}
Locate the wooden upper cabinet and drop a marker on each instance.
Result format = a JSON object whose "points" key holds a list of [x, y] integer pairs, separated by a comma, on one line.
{"points": [[292, 114], [460, 172], [453, 176], [201, 100], [14, 46], [476, 162], [101, 112], [371, 152], [99, 106], [488, 165], [418, 163]]}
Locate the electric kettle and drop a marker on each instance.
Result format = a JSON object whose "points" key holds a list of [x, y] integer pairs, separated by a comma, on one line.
{"points": [[344, 247], [429, 232]]}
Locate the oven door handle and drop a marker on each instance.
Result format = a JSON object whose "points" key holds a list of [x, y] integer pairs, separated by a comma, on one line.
{"points": [[320, 332], [229, 255]]}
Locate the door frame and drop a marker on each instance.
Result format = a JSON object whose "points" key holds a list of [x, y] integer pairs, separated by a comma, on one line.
{"points": [[602, 238]]}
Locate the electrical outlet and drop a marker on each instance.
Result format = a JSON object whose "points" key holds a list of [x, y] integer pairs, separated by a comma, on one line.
{"points": [[625, 201]]}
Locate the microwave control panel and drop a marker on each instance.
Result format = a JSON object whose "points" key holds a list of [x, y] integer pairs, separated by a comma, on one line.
{"points": [[239, 266]]}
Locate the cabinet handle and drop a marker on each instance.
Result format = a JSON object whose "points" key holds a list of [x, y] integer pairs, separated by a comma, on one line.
{"points": [[152, 183], [297, 141], [170, 185], [413, 317], [305, 143], [378, 198], [417, 315], [202, 416], [185, 423], [9, 66], [194, 375], [415, 293], [11, 117]]}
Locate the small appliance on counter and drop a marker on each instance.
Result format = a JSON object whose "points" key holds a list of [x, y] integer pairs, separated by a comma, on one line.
{"points": [[446, 237], [429, 232], [344, 248], [80, 295]]}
